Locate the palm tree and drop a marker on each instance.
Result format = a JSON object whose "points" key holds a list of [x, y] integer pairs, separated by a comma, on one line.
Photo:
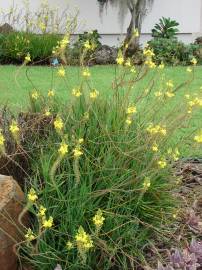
{"points": [[138, 10]]}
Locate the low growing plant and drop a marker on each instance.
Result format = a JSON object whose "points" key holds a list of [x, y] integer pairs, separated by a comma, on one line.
{"points": [[102, 186]]}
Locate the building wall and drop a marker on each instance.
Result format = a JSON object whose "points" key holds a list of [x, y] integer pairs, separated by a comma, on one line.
{"points": [[187, 12]]}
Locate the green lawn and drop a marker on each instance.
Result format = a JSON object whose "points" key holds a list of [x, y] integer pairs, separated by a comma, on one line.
{"points": [[14, 85]]}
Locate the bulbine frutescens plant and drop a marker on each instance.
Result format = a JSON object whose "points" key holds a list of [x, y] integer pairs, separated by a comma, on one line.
{"points": [[102, 188]]}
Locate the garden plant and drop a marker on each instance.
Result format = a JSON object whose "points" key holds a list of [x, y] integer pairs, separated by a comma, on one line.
{"points": [[101, 183]]}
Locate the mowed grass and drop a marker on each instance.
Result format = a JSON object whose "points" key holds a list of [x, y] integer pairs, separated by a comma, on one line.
{"points": [[17, 82]]}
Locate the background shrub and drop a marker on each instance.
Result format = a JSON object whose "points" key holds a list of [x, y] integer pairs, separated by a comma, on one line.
{"points": [[16, 45], [172, 51]]}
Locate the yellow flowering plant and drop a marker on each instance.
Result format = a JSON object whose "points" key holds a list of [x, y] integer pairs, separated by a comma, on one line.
{"points": [[119, 156]]}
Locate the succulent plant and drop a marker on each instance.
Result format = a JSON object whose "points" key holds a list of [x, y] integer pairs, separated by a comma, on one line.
{"points": [[189, 258]]}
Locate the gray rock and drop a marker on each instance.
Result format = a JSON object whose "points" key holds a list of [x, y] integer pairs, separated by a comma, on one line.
{"points": [[105, 55], [6, 28]]}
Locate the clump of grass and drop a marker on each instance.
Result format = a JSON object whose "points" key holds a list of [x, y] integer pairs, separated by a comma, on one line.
{"points": [[102, 187]]}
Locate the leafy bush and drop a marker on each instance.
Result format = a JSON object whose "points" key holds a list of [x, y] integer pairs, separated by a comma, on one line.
{"points": [[16, 45], [166, 28], [86, 39], [172, 51], [102, 183]]}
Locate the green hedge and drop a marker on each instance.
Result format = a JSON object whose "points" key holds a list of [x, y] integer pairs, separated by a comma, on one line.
{"points": [[15, 46], [172, 51]]}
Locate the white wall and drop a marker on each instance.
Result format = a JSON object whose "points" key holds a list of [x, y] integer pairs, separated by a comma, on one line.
{"points": [[187, 12]]}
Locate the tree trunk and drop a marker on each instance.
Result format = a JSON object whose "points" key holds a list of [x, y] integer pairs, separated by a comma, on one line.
{"points": [[135, 23]]}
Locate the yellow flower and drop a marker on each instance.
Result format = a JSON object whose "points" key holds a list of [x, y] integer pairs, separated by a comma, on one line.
{"points": [[58, 124], [128, 121], [47, 113], [133, 70], [64, 42], [146, 183], [81, 140], [28, 58], [169, 94], [30, 235], [155, 147], [148, 52], [170, 84], [120, 58], [193, 61], [42, 211], [189, 70], [76, 92], [128, 63], [131, 110], [47, 223], [187, 96], [94, 94], [162, 163], [63, 150], [32, 196], [51, 93], [161, 66], [98, 219], [198, 138], [83, 240], [158, 94], [2, 139], [86, 73], [156, 129], [77, 152], [14, 129], [69, 245], [136, 33], [87, 45], [150, 63], [61, 72], [35, 95]]}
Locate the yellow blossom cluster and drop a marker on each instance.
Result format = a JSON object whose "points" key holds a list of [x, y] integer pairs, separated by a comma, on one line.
{"points": [[30, 235], [192, 103], [98, 220], [61, 72], [146, 183], [28, 58], [58, 124], [149, 54], [156, 129], [63, 150], [94, 94], [32, 196], [83, 240], [174, 153], [120, 58], [61, 46], [14, 129], [51, 93], [86, 73], [35, 95], [198, 137], [47, 223], [162, 163], [2, 139], [155, 147], [130, 111], [90, 46], [76, 92]]}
